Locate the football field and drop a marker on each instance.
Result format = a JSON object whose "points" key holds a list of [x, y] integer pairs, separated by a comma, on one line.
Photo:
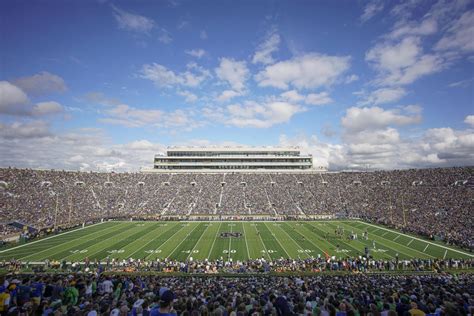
{"points": [[236, 240]]}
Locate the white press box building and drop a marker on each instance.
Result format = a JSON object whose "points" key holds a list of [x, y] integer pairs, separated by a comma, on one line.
{"points": [[246, 159]]}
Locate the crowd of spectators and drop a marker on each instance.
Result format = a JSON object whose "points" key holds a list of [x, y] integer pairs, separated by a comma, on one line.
{"points": [[433, 202], [356, 294]]}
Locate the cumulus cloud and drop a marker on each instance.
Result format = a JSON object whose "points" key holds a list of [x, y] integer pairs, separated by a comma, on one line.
{"points": [[263, 54], [469, 120], [42, 83], [83, 149], [132, 22], [188, 96], [371, 9], [234, 72], [161, 76], [13, 100], [310, 99], [402, 62], [383, 95], [47, 108], [304, 72], [24, 130], [198, 53], [227, 95], [254, 114], [369, 118]]}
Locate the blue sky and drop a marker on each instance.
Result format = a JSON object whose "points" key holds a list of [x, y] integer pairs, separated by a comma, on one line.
{"points": [[103, 85]]}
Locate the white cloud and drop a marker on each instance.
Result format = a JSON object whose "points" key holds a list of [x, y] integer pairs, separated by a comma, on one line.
{"points": [[164, 77], [41, 83], [460, 35], [235, 73], [403, 62], [24, 130], [132, 22], [198, 53], [307, 71], [264, 51], [369, 118], [310, 99], [227, 95], [469, 120], [47, 108], [351, 78], [253, 114], [189, 96], [403, 28], [371, 9], [383, 95], [164, 36], [318, 98], [13, 100]]}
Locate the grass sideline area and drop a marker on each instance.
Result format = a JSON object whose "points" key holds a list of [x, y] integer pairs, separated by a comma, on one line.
{"points": [[236, 240]]}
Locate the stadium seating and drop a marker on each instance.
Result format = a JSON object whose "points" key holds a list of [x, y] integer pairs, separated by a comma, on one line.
{"points": [[432, 202]]}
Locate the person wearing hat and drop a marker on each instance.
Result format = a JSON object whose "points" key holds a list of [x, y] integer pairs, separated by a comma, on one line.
{"points": [[166, 305]]}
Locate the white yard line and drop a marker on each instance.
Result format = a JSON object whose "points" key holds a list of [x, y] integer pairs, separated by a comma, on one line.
{"points": [[43, 239], [246, 243], [428, 242], [218, 230], [384, 233], [166, 241], [445, 253], [184, 239], [278, 241], [398, 236], [230, 242], [152, 232], [410, 242], [427, 245], [297, 244], [266, 250], [198, 241]]}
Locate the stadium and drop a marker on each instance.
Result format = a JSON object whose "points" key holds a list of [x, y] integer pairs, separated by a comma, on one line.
{"points": [[237, 158]]}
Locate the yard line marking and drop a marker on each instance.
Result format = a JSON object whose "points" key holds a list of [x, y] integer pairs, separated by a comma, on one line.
{"points": [[43, 239], [166, 240], [384, 233], [410, 242], [198, 241], [427, 245], [230, 242], [95, 235], [246, 243], [291, 238], [278, 241], [445, 253], [266, 250], [428, 242], [182, 241], [218, 230], [146, 244], [310, 241], [398, 236], [348, 245]]}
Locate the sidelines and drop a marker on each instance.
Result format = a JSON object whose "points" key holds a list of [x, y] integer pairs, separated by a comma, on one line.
{"points": [[426, 241], [62, 234]]}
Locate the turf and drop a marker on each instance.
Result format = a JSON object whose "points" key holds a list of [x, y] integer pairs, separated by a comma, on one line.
{"points": [[201, 240]]}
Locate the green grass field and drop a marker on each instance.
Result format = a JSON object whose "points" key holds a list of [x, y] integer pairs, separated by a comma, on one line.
{"points": [[200, 240]]}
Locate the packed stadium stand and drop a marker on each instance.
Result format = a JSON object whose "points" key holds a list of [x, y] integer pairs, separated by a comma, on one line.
{"points": [[432, 202]]}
